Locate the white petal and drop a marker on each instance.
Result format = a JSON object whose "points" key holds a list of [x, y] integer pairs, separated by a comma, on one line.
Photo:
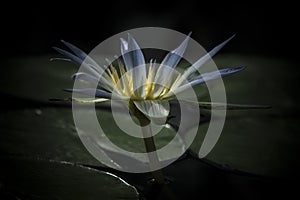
{"points": [[137, 55], [214, 75], [154, 109], [63, 59], [202, 78], [85, 76], [81, 54], [139, 67], [98, 93], [171, 60], [75, 49], [124, 52], [91, 92], [89, 101], [94, 70], [168, 76], [173, 57], [230, 106], [196, 66]]}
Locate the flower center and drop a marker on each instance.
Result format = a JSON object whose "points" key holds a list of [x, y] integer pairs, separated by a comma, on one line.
{"points": [[154, 87]]}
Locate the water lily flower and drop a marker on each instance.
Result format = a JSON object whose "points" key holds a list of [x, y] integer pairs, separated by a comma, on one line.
{"points": [[149, 86]]}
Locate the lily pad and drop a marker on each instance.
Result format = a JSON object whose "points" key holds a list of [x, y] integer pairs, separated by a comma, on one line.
{"points": [[258, 141], [46, 133], [37, 78], [22, 178]]}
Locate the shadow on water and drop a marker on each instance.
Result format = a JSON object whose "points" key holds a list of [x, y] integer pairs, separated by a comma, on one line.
{"points": [[192, 178]]}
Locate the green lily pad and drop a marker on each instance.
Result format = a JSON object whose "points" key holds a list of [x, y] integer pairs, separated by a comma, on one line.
{"points": [[45, 179], [42, 133], [37, 78], [258, 141], [50, 133]]}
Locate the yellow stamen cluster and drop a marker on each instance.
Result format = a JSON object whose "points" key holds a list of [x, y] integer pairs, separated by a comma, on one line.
{"points": [[123, 83]]}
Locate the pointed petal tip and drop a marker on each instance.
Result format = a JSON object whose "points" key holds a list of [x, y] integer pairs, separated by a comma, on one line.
{"points": [[67, 90], [235, 70], [60, 100], [108, 61], [76, 75], [66, 43], [182, 47], [247, 106], [129, 35], [62, 59], [57, 49], [240, 68], [124, 45], [132, 43], [230, 38], [130, 38], [69, 45], [220, 46], [230, 106]]}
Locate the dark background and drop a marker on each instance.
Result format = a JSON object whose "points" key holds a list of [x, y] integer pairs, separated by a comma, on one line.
{"points": [[264, 142], [264, 29]]}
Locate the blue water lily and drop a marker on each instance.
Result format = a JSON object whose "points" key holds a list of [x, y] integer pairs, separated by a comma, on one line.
{"points": [[150, 86]]}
